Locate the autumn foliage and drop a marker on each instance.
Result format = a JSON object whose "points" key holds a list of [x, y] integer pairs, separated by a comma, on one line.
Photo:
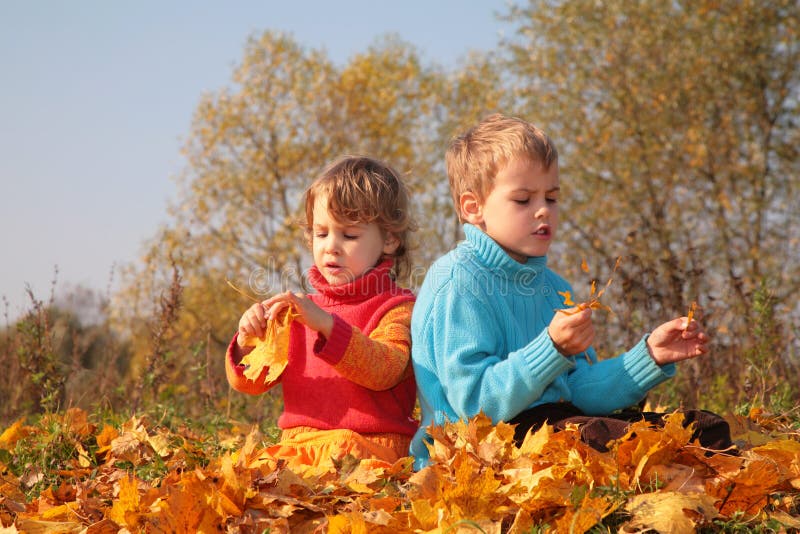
{"points": [[677, 128], [479, 481]]}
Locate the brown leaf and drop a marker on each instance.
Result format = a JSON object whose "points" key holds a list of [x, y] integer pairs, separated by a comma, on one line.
{"points": [[747, 490]]}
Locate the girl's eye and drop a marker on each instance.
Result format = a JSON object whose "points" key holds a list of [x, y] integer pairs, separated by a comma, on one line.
{"points": [[350, 236], [320, 235]]}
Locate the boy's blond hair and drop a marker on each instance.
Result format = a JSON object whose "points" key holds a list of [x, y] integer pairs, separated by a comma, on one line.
{"points": [[474, 158], [363, 190]]}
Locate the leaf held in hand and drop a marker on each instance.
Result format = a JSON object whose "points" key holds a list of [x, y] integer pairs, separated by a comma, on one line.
{"points": [[594, 295], [690, 315], [567, 296], [271, 351]]}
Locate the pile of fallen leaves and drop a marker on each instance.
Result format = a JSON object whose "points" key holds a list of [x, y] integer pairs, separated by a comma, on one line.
{"points": [[651, 480]]}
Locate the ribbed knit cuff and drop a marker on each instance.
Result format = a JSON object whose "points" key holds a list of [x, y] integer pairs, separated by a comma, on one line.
{"points": [[543, 360], [332, 349], [643, 370]]}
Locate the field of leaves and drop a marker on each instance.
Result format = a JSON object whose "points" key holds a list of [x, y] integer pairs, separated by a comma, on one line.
{"points": [[66, 474]]}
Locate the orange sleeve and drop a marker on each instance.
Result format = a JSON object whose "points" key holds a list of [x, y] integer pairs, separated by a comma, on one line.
{"points": [[383, 359], [234, 371]]}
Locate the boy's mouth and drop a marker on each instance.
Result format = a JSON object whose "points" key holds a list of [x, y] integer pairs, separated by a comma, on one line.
{"points": [[543, 230]]}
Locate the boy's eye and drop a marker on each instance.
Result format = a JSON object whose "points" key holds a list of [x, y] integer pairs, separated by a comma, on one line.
{"points": [[552, 200], [521, 201]]}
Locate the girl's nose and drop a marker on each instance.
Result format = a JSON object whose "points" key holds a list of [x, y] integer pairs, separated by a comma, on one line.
{"points": [[332, 244]]}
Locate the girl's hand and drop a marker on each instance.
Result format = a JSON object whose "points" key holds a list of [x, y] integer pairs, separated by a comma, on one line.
{"points": [[674, 341], [572, 332], [309, 313], [252, 324]]}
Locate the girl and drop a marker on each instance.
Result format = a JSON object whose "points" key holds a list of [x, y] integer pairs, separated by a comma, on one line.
{"points": [[348, 386]]}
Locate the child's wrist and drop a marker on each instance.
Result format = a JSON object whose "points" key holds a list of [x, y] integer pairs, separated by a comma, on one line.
{"points": [[650, 352], [327, 325]]}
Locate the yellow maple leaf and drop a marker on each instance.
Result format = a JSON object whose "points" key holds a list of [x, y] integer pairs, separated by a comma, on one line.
{"points": [[587, 514], [14, 433], [272, 351], [670, 512], [125, 510], [347, 523], [61, 512]]}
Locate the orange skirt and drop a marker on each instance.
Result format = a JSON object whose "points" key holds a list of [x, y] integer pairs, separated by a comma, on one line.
{"points": [[311, 447]]}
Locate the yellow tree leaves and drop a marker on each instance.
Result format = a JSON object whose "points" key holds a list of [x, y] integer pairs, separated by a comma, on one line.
{"points": [[662, 183], [651, 479], [594, 295]]}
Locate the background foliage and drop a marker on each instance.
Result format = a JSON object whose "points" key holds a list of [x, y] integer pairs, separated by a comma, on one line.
{"points": [[677, 126]]}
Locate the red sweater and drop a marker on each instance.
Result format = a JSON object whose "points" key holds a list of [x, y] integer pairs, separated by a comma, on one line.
{"points": [[361, 378]]}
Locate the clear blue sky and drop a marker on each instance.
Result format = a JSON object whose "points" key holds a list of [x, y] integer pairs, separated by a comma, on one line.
{"points": [[97, 96]]}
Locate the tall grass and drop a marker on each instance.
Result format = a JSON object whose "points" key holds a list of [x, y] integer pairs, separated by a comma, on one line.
{"points": [[51, 361]]}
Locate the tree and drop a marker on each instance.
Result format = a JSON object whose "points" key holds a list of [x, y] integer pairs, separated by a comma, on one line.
{"points": [[677, 128]]}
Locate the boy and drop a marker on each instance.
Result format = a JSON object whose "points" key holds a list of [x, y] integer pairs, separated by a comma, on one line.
{"points": [[486, 335]]}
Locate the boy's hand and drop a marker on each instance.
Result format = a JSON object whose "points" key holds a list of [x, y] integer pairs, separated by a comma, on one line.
{"points": [[309, 313], [674, 341], [572, 332]]}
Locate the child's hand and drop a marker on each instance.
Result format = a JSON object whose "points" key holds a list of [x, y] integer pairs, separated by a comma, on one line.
{"points": [[308, 313], [674, 341], [252, 324], [572, 332]]}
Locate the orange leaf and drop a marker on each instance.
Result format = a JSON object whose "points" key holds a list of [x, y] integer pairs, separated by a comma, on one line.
{"points": [[185, 507], [747, 490], [14, 433], [567, 296], [690, 314], [106, 436]]}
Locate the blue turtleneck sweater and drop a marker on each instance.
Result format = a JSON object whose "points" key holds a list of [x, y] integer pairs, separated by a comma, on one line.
{"points": [[480, 343]]}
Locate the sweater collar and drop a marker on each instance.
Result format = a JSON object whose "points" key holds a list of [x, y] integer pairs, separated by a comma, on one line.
{"points": [[498, 261], [375, 281]]}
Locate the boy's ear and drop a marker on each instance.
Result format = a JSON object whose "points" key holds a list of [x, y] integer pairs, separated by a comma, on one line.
{"points": [[471, 209], [390, 244]]}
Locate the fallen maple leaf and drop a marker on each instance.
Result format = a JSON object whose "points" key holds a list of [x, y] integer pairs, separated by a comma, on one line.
{"points": [[669, 512], [14, 433], [478, 481], [125, 509]]}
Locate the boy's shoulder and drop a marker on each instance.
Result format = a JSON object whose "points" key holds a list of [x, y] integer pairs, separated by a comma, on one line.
{"points": [[458, 263]]}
